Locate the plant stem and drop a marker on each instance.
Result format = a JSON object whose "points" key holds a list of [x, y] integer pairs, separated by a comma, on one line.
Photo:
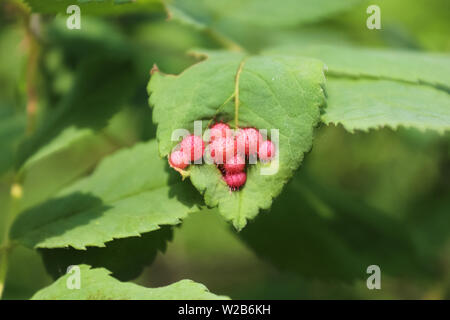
{"points": [[31, 25], [16, 195], [3, 269]]}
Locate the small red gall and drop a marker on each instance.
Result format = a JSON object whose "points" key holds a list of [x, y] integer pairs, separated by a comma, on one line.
{"points": [[222, 149], [248, 141], [235, 180], [220, 130], [235, 164], [266, 151], [193, 146], [178, 159]]}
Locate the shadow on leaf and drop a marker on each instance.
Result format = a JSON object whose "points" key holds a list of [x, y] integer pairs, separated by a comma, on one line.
{"points": [[328, 234], [125, 258], [64, 213]]}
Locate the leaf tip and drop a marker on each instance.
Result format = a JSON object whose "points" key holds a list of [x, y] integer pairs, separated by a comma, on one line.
{"points": [[240, 224]]}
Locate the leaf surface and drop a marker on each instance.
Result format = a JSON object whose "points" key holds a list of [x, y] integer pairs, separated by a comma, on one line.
{"points": [[74, 133], [131, 192], [373, 104], [274, 92], [357, 62], [374, 88], [97, 284]]}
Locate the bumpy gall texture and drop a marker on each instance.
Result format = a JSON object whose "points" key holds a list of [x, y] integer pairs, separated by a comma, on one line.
{"points": [[193, 146], [235, 180], [248, 140], [266, 151], [229, 153], [222, 149], [178, 159], [235, 164], [220, 130]]}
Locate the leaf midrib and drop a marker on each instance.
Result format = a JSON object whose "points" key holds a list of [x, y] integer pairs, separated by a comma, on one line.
{"points": [[236, 91]]}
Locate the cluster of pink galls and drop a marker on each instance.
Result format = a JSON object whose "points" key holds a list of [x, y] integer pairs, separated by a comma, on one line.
{"points": [[230, 153]]}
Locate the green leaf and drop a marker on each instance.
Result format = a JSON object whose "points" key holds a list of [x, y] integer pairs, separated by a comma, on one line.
{"points": [[356, 62], [97, 7], [73, 152], [97, 284], [101, 87], [125, 258], [373, 104], [69, 139], [275, 92], [373, 88], [131, 192], [269, 13], [325, 233]]}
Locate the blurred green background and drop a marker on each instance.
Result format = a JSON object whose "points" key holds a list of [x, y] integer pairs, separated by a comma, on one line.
{"points": [[379, 197]]}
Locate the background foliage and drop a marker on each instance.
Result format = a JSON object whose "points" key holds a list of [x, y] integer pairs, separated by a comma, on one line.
{"points": [[82, 180]]}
